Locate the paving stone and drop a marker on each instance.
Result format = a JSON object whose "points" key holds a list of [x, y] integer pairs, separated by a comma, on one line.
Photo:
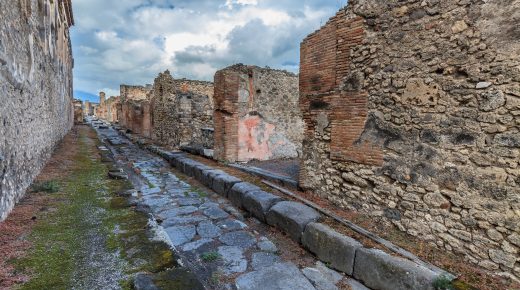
{"points": [[258, 203], [182, 220], [330, 274], [233, 260], [178, 211], [355, 285], [150, 190], [379, 270], [261, 260], [222, 183], [207, 229], [291, 217], [241, 239], [190, 201], [318, 279], [157, 204], [181, 234], [196, 244], [215, 213], [280, 276], [208, 204], [144, 281], [231, 225], [331, 247], [238, 191], [266, 245]]}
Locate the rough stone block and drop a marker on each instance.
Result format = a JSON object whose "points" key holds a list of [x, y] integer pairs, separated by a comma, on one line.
{"points": [[208, 175], [281, 276], [258, 203], [291, 217], [199, 171], [331, 247], [379, 270], [222, 183], [239, 190], [189, 167]]}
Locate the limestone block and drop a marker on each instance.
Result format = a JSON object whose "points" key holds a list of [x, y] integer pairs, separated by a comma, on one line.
{"points": [[258, 203], [331, 247], [379, 270], [291, 217]]}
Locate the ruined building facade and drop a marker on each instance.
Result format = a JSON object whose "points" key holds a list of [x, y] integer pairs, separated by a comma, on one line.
{"points": [[256, 114], [412, 114], [182, 111], [135, 109], [36, 108]]}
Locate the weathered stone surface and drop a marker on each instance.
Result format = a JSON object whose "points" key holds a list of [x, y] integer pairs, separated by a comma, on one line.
{"points": [[181, 234], [261, 260], [258, 203], [379, 270], [240, 239], [216, 213], [331, 247], [208, 175], [231, 225], [178, 211], [281, 276], [319, 280], [207, 229], [182, 220], [233, 258], [196, 244], [223, 183], [36, 102], [264, 244], [144, 281], [238, 191], [291, 217]]}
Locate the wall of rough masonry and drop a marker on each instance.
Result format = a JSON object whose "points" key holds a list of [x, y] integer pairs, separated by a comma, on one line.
{"points": [[412, 114], [182, 111], [36, 108], [256, 114], [78, 111]]}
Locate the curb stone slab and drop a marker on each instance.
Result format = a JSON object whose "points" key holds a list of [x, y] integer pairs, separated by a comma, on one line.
{"points": [[258, 203], [292, 217], [239, 190], [379, 270], [331, 247], [223, 183]]}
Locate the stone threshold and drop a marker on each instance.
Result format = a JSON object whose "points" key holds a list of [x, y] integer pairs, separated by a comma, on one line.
{"points": [[375, 268]]}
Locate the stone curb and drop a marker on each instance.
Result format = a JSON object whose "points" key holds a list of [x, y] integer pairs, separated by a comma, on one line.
{"points": [[375, 268]]}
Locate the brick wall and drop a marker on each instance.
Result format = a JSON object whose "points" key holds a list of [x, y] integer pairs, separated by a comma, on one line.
{"points": [[411, 115]]}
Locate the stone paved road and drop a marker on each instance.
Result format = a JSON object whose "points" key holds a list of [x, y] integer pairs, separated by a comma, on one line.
{"points": [[207, 232]]}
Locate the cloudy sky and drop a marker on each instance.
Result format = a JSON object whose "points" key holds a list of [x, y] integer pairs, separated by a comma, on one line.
{"points": [[131, 41]]}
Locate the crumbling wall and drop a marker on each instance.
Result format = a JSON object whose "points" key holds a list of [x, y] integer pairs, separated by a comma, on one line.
{"points": [[182, 111], [256, 114], [412, 115], [137, 117], [78, 111], [135, 93], [36, 108]]}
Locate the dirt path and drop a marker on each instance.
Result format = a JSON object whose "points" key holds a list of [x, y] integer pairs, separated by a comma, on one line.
{"points": [[76, 231]]}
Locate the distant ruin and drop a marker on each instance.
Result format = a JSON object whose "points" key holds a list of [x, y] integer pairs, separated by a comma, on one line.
{"points": [[36, 108], [256, 114], [412, 114]]}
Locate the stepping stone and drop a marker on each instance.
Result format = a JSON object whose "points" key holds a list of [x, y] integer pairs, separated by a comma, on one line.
{"points": [[234, 260], [207, 229], [280, 276], [262, 260], [215, 213], [181, 234], [266, 245], [170, 213], [240, 239], [318, 279], [195, 245], [183, 220], [232, 225]]}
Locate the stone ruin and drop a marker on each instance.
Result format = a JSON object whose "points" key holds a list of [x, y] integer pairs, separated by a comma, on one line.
{"points": [[256, 114], [79, 114], [36, 108], [412, 115], [135, 109], [182, 111]]}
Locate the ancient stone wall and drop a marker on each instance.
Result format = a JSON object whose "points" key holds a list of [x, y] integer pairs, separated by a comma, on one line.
{"points": [[256, 114], [412, 114], [78, 111], [36, 108], [182, 111], [134, 92]]}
